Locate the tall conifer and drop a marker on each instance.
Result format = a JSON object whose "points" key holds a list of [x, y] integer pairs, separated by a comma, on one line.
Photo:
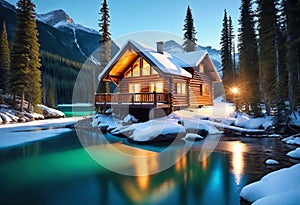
{"points": [[292, 10], [4, 60], [228, 77], [189, 38], [267, 51], [25, 60], [248, 58], [105, 41]]}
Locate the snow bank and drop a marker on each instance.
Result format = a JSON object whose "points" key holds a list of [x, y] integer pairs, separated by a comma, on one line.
{"points": [[292, 140], [278, 187], [201, 127], [294, 153], [271, 162], [244, 121]]}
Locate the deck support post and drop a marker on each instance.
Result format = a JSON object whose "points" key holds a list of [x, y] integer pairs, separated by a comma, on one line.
{"points": [[155, 98]]}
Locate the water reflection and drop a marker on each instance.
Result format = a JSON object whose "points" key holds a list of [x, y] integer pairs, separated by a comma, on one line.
{"points": [[237, 163], [56, 175]]}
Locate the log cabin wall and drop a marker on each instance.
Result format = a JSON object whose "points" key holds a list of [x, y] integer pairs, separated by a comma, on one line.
{"points": [[200, 97], [179, 99]]}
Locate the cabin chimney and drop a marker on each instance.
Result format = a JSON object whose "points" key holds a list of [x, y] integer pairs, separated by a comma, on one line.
{"points": [[160, 47]]}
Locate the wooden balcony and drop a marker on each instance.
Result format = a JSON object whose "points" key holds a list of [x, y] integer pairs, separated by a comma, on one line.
{"points": [[133, 100]]}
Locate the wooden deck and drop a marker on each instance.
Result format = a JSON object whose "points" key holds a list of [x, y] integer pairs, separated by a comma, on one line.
{"points": [[133, 100]]}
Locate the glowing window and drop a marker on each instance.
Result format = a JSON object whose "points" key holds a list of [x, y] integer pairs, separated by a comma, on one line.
{"points": [[136, 68], [157, 87], [201, 68], [154, 71], [181, 88], [146, 68]]}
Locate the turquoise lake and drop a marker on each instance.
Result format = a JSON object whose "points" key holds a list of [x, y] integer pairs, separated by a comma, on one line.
{"points": [[58, 170]]}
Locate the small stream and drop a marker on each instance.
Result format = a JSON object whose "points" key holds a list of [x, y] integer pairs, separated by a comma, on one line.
{"points": [[58, 170]]}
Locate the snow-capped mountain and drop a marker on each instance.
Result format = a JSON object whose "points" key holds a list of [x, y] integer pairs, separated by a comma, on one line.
{"points": [[53, 17], [58, 33], [60, 19], [215, 55]]}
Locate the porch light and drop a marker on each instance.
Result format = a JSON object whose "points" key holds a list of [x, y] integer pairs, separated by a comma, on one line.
{"points": [[234, 90]]}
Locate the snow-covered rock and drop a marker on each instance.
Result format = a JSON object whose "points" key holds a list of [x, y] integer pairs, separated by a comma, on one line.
{"points": [[12, 117], [294, 153], [152, 130], [193, 137], [245, 121], [129, 119], [278, 187], [50, 112], [292, 140], [104, 121], [271, 162], [5, 118], [199, 127]]}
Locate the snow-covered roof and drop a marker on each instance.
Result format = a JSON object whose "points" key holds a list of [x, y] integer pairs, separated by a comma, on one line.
{"points": [[166, 63], [191, 59]]}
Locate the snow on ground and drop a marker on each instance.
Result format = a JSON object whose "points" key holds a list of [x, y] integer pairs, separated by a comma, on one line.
{"points": [[294, 153], [292, 140], [201, 121], [295, 118], [271, 162], [245, 121], [278, 187], [19, 133]]}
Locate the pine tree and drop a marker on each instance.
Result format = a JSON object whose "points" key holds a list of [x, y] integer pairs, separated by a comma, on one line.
{"points": [[189, 39], [248, 58], [105, 41], [231, 43], [4, 60], [228, 77], [267, 51], [25, 61], [293, 51]]}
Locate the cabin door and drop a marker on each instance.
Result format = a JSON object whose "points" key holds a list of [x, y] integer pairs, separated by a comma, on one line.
{"points": [[135, 88]]}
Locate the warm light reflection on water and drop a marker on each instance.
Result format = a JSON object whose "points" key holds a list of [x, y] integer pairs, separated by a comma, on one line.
{"points": [[237, 163]]}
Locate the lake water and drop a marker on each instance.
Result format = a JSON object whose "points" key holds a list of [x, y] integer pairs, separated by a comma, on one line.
{"points": [[58, 170]]}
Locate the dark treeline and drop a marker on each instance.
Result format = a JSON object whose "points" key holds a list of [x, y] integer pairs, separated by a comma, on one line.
{"points": [[58, 78]]}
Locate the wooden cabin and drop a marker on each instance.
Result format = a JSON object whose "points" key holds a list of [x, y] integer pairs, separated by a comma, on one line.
{"points": [[146, 78]]}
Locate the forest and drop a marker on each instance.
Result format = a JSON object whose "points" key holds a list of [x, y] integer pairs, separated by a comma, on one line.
{"points": [[267, 76]]}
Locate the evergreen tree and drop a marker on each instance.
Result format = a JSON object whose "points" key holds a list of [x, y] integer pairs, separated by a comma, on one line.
{"points": [[226, 50], [281, 70], [25, 62], [105, 41], [248, 58], [267, 51], [189, 39], [293, 51], [4, 61], [231, 43]]}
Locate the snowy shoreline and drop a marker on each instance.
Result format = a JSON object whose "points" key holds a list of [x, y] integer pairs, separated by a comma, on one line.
{"points": [[20, 133]]}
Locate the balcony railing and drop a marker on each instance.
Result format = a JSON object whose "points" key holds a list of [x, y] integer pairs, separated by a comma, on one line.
{"points": [[132, 98]]}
